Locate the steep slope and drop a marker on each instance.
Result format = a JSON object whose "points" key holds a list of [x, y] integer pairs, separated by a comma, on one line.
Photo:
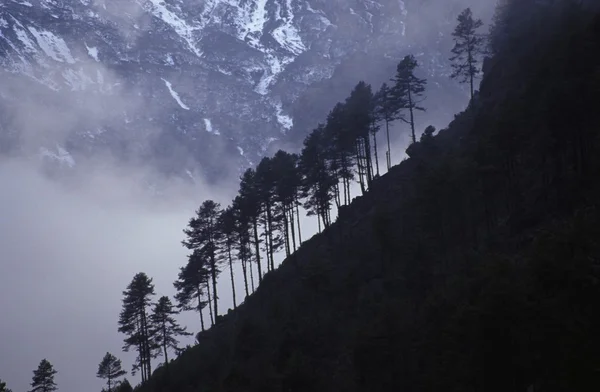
{"points": [[186, 83], [473, 265]]}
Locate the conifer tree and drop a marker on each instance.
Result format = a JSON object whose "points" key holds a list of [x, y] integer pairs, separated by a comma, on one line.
{"points": [[287, 187], [227, 227], [358, 122], [408, 90], [318, 181], [134, 322], [110, 369], [203, 235], [124, 386], [251, 205], [242, 230], [338, 145], [387, 109], [165, 328], [43, 378], [265, 180], [3, 387], [191, 285], [469, 46]]}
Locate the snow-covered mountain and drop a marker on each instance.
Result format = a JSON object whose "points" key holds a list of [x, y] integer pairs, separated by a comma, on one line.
{"points": [[195, 83]]}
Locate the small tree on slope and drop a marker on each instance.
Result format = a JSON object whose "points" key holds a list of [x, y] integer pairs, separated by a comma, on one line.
{"points": [[110, 369], [43, 378]]}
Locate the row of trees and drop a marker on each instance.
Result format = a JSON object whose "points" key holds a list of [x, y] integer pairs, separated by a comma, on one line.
{"points": [[150, 327], [264, 217]]}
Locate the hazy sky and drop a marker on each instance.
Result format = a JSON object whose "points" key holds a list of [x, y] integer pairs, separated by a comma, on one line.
{"points": [[67, 251]]}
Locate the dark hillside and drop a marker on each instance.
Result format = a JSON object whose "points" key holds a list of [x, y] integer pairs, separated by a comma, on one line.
{"points": [[472, 266]]}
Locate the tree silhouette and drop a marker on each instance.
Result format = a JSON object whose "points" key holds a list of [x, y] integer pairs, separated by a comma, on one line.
{"points": [[110, 369], [387, 109], [251, 207], [124, 386], [43, 378], [338, 148], [318, 181], [408, 90], [242, 231], [191, 285], [265, 180], [287, 187], [227, 227], [469, 45], [359, 118], [3, 387], [165, 328], [203, 235], [134, 322]]}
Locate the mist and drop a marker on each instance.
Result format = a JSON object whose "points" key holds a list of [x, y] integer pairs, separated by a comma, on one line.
{"points": [[69, 247]]}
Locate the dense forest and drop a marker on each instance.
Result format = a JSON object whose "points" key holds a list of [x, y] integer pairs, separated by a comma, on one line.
{"points": [[473, 265]]}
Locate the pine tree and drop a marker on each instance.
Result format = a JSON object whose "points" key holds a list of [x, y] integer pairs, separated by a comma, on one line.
{"points": [[227, 227], [165, 328], [387, 109], [191, 285], [242, 229], [358, 123], [469, 46], [134, 322], [408, 90], [338, 145], [251, 206], [3, 387], [319, 183], [110, 369], [203, 235], [287, 188], [43, 378], [124, 386]]}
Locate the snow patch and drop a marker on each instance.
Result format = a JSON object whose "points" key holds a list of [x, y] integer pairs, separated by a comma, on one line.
{"points": [[174, 94], [61, 155], [209, 127], [284, 120], [54, 47], [92, 51], [181, 27], [241, 150]]}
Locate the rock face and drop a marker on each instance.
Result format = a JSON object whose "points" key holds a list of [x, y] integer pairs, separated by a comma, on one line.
{"points": [[185, 84]]}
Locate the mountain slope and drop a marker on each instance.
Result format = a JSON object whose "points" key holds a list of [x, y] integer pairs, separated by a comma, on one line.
{"points": [[185, 83], [473, 265]]}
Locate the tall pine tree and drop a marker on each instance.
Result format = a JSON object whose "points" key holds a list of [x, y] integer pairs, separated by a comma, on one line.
{"points": [[203, 235], [408, 90], [43, 378], [110, 369], [227, 227], [387, 109], [468, 47], [134, 322], [165, 328], [251, 207], [191, 285]]}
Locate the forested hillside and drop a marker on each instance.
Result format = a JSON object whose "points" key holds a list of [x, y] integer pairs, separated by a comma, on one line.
{"points": [[474, 265]]}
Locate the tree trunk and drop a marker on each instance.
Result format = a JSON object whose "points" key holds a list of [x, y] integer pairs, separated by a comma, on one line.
{"points": [[287, 232], [146, 345], [257, 246], [270, 236], [109, 387], [389, 150], [369, 159], [199, 295], [210, 308], [165, 348], [299, 228], [292, 226], [319, 220], [231, 272], [412, 117], [376, 154], [251, 273], [213, 267], [244, 270]]}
